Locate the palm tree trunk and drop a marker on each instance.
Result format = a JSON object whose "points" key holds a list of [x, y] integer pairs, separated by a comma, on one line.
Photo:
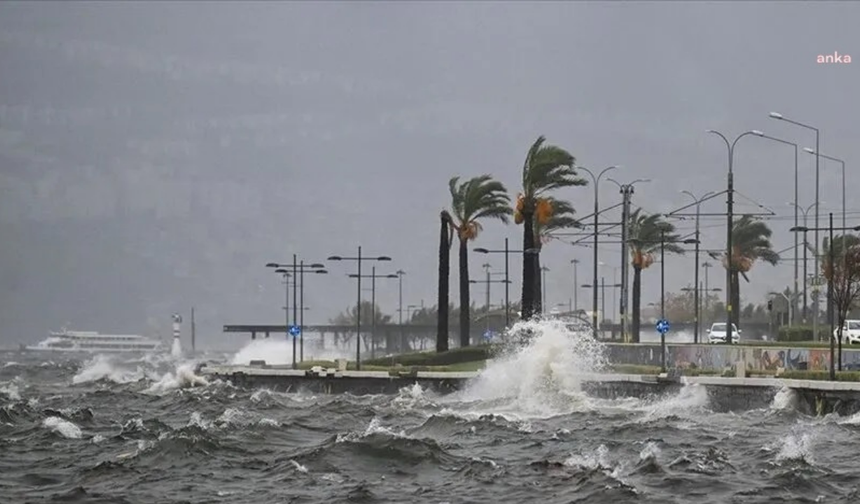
{"points": [[442, 302], [527, 301], [637, 299], [464, 292]]}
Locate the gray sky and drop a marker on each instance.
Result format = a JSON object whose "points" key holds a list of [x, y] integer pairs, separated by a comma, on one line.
{"points": [[153, 156]]}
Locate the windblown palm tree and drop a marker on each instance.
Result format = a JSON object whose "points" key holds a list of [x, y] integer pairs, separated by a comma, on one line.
{"points": [[446, 230], [750, 243], [471, 201], [546, 167], [645, 235], [561, 218]]}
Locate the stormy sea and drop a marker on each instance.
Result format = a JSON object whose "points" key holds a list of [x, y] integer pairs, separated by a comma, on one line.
{"points": [[147, 429]]}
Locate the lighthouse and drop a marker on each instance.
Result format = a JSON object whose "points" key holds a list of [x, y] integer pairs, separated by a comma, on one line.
{"points": [[176, 351]]}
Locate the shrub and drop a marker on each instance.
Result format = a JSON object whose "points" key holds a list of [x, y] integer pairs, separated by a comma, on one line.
{"points": [[795, 333], [455, 356]]}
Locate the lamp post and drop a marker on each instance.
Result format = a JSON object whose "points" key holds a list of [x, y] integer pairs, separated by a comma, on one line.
{"points": [[602, 286], [313, 268], [830, 228], [400, 274], [699, 308], [286, 275], [730, 223], [811, 151], [805, 248], [507, 252], [596, 180], [796, 199], [358, 259], [544, 270], [575, 307], [706, 266], [698, 202], [373, 276], [626, 191], [488, 281], [298, 271], [780, 117]]}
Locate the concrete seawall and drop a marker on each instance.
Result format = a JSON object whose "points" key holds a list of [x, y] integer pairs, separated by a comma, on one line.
{"points": [[724, 394]]}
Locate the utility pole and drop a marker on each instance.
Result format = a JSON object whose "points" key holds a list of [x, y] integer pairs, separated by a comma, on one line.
{"points": [[193, 332], [575, 307]]}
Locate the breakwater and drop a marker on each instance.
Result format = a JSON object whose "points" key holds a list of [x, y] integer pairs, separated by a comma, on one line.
{"points": [[754, 358], [724, 394]]}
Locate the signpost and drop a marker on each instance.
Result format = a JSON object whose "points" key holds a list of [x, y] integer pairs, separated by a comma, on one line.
{"points": [[663, 328], [295, 331]]}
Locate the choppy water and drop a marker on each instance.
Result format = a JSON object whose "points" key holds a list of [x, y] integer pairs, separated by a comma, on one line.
{"points": [[150, 431]]}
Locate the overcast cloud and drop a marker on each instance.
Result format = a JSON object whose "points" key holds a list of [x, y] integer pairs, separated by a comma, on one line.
{"points": [[154, 156]]}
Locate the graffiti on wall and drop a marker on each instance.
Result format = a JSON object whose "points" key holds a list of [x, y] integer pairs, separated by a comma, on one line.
{"points": [[768, 358]]}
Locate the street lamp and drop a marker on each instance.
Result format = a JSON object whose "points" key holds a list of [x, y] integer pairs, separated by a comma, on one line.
{"points": [[507, 252], [358, 259], [298, 317], [596, 180], [805, 248], [830, 228], [626, 193], [544, 270], [730, 223], [603, 288], [780, 117], [575, 307], [373, 276], [698, 203], [796, 199], [400, 274], [812, 151]]}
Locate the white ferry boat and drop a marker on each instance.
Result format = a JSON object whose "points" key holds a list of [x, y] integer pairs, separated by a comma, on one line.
{"points": [[93, 342]]}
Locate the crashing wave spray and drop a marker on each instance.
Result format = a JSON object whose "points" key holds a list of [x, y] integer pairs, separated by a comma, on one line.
{"points": [[540, 367], [176, 350]]}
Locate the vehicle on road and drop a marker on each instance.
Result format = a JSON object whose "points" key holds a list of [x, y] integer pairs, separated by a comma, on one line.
{"points": [[717, 333], [850, 332]]}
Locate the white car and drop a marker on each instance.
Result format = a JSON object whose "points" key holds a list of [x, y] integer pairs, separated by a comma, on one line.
{"points": [[717, 333], [850, 332]]}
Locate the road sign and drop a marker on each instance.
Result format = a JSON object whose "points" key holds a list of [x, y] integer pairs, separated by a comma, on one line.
{"points": [[294, 330], [488, 335], [662, 326]]}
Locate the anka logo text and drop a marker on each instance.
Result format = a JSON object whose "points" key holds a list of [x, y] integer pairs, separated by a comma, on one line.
{"points": [[834, 58]]}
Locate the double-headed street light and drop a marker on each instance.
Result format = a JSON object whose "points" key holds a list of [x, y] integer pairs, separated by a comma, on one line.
{"points": [[373, 276], [796, 199], [507, 252], [596, 180], [730, 224], [780, 117], [298, 316], [830, 228], [358, 260]]}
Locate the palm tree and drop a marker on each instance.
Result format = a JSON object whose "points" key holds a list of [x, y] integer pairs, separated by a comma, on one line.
{"points": [[445, 238], [475, 199], [646, 235], [750, 242], [561, 218], [546, 167]]}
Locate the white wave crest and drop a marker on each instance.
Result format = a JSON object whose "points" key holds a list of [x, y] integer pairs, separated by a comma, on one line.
{"points": [[11, 391], [103, 367], [785, 399], [541, 371], [63, 427], [183, 378]]}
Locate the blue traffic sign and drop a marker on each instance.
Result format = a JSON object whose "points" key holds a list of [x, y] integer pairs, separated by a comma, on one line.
{"points": [[294, 330], [662, 326], [488, 335]]}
